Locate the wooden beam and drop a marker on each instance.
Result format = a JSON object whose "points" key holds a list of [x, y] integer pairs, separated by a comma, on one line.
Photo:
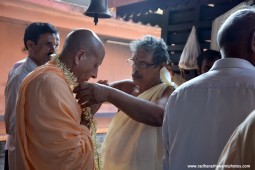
{"points": [[176, 47], [140, 7]]}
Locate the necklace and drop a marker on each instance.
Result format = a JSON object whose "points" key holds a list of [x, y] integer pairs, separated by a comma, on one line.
{"points": [[72, 83]]}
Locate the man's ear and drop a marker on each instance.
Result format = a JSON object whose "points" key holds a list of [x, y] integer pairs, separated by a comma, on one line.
{"points": [[78, 56], [30, 44], [253, 42]]}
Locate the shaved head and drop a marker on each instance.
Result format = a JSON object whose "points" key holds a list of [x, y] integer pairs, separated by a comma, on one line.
{"points": [[236, 37], [80, 39], [82, 53], [238, 26]]}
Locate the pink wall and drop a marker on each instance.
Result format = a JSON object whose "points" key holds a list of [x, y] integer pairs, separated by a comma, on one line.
{"points": [[114, 66], [15, 15], [11, 50]]}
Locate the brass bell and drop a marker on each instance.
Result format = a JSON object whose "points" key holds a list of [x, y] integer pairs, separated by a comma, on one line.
{"points": [[98, 9]]}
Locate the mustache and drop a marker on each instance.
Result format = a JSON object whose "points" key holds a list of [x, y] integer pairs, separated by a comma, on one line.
{"points": [[49, 53], [137, 76]]}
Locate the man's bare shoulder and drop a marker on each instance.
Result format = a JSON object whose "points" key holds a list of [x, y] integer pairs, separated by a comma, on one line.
{"points": [[165, 95], [124, 85], [168, 91]]}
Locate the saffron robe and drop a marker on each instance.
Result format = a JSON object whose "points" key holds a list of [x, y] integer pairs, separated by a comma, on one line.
{"points": [[131, 145], [48, 130]]}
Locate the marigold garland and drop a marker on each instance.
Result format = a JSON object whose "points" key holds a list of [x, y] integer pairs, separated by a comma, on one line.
{"points": [[72, 82]]}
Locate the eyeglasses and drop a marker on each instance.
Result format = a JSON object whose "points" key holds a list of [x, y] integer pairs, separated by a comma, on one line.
{"points": [[51, 45], [140, 65]]}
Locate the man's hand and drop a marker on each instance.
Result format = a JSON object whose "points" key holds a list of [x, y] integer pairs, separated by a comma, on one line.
{"points": [[89, 94]]}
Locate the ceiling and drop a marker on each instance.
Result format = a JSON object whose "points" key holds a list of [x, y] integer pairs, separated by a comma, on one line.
{"points": [[175, 19], [146, 12]]}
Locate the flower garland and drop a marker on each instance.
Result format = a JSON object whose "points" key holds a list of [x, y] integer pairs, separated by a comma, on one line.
{"points": [[70, 78], [72, 82]]}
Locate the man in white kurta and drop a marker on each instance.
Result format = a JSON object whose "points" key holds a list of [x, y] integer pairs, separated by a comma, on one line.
{"points": [[202, 114], [38, 34]]}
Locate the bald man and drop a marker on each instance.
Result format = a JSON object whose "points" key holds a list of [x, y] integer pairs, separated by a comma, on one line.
{"points": [[202, 113], [51, 131]]}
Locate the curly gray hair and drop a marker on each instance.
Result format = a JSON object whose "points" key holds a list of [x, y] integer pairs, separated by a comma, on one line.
{"points": [[153, 45]]}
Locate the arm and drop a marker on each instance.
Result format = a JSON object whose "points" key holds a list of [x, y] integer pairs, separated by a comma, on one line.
{"points": [[11, 92], [165, 133], [143, 111], [239, 149], [94, 108]]}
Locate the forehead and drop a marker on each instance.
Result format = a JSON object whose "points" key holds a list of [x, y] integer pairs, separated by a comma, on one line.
{"points": [[143, 55], [48, 37]]}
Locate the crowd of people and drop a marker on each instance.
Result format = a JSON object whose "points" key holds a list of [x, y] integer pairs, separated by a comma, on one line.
{"points": [[50, 104]]}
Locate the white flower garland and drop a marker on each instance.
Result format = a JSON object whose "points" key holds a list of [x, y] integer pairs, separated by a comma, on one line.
{"points": [[72, 82], [70, 78]]}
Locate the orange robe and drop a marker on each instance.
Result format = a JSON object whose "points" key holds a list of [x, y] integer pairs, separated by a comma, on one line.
{"points": [[48, 130]]}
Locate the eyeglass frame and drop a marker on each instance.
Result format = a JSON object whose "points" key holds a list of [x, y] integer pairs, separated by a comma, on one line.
{"points": [[146, 65]]}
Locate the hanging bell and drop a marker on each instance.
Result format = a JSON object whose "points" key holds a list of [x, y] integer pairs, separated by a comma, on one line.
{"points": [[98, 9]]}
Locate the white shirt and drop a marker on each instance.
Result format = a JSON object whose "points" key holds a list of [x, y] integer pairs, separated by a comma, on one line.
{"points": [[202, 113], [18, 72], [16, 65]]}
